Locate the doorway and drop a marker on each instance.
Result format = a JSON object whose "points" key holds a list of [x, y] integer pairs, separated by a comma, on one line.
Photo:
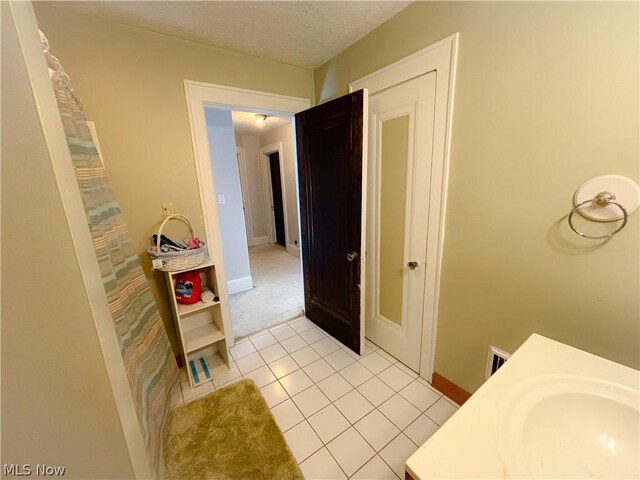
{"points": [[200, 95], [277, 202], [276, 293], [276, 197]]}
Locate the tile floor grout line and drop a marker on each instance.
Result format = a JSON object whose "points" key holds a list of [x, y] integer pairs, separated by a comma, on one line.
{"points": [[304, 418], [401, 431], [396, 392], [377, 452], [334, 459], [331, 402], [315, 383], [353, 425]]}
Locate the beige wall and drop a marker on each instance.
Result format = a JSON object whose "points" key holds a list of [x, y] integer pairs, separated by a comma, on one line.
{"points": [[131, 83], [546, 97], [57, 404], [284, 134]]}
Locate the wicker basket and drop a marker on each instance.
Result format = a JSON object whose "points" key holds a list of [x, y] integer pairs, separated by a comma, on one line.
{"points": [[174, 261]]}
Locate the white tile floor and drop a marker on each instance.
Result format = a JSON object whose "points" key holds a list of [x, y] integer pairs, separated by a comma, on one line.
{"points": [[343, 416]]}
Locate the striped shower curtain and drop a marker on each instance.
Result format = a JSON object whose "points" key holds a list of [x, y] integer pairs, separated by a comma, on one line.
{"points": [[146, 351]]}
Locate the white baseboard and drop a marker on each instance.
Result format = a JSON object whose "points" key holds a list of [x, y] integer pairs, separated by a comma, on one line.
{"points": [[239, 284], [260, 240], [293, 250]]}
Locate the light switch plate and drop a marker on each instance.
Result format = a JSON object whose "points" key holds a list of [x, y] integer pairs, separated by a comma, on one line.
{"points": [[220, 199]]}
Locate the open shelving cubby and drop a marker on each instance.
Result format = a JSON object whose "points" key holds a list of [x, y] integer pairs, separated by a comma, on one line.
{"points": [[200, 328]]}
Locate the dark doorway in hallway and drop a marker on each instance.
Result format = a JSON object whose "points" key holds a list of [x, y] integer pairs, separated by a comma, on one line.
{"points": [[276, 188]]}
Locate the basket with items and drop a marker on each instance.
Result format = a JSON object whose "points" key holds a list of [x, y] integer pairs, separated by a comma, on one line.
{"points": [[170, 256]]}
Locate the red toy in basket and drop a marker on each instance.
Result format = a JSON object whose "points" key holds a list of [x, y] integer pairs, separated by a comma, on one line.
{"points": [[188, 287]]}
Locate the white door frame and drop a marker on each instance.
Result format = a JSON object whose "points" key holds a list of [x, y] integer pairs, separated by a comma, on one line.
{"points": [[200, 95], [439, 57], [244, 187], [267, 188]]}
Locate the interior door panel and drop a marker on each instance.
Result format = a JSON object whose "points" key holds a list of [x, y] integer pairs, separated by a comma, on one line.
{"points": [[330, 165]]}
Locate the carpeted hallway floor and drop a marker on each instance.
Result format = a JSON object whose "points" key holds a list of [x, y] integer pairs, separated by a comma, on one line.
{"points": [[277, 295]]}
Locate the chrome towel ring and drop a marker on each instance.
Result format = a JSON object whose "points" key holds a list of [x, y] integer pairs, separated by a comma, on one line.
{"points": [[595, 200], [603, 199]]}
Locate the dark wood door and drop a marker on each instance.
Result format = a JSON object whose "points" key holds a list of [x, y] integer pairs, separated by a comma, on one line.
{"points": [[330, 174], [276, 190]]}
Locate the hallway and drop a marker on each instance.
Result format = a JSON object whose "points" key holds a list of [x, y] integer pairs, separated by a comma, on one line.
{"points": [[277, 293]]}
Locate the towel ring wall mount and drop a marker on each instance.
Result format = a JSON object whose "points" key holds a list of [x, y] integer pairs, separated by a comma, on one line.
{"points": [[605, 199]]}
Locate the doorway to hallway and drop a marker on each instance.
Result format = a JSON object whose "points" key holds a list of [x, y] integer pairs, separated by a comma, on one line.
{"points": [[276, 199], [270, 205]]}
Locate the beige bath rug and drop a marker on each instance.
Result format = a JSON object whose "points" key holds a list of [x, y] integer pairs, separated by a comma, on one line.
{"points": [[229, 434]]}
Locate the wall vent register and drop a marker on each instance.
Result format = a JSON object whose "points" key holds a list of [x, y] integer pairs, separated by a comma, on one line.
{"points": [[495, 360]]}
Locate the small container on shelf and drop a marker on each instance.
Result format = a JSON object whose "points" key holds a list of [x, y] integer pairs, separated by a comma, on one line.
{"points": [[207, 296], [187, 287]]}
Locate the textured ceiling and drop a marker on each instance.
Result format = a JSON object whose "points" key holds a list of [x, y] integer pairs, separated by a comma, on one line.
{"points": [[303, 33], [244, 123]]}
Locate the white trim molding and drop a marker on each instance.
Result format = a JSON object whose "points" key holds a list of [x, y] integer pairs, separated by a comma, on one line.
{"points": [[232, 98], [264, 240], [239, 285], [440, 57], [293, 249]]}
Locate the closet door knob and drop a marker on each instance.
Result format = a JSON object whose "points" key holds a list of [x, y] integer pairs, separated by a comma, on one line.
{"points": [[413, 264]]}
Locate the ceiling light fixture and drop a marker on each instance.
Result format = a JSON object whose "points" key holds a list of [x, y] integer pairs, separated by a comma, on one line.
{"points": [[260, 118]]}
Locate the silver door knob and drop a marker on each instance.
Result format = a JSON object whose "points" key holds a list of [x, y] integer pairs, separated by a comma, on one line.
{"points": [[351, 256], [413, 264]]}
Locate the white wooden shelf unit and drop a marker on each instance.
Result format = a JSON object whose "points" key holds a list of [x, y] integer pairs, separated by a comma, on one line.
{"points": [[200, 328]]}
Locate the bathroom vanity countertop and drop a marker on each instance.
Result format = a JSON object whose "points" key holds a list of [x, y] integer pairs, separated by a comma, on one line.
{"points": [[468, 445]]}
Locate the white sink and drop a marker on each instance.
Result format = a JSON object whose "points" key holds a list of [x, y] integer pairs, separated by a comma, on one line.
{"points": [[569, 426]]}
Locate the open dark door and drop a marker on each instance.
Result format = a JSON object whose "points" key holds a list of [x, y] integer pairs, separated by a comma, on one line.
{"points": [[331, 169]]}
